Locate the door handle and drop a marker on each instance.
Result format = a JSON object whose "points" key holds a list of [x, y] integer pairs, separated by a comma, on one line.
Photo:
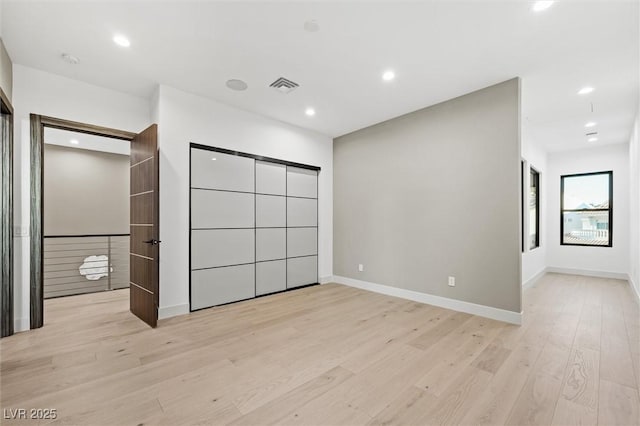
{"points": [[153, 242]]}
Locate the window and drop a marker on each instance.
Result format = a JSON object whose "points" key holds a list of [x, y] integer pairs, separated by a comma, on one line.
{"points": [[586, 204], [534, 209]]}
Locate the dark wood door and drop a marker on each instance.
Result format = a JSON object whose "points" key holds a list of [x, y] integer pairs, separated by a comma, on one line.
{"points": [[145, 235], [6, 263]]}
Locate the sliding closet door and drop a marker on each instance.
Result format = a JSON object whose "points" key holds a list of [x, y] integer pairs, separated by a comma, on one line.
{"points": [[271, 227], [254, 226], [302, 227], [222, 228]]}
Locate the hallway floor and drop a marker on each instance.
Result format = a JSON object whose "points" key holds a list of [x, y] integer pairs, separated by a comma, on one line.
{"points": [[334, 355]]}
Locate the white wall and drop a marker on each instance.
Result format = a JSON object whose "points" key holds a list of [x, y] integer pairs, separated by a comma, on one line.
{"points": [[634, 194], [534, 261], [185, 118], [612, 261], [182, 118], [43, 93], [6, 70]]}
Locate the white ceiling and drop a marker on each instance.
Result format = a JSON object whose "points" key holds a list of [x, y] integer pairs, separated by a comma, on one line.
{"points": [[85, 141], [438, 49]]}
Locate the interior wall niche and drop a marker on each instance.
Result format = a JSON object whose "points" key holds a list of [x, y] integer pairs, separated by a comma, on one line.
{"points": [[253, 226]]}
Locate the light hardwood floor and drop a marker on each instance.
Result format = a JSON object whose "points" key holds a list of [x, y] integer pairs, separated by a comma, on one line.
{"points": [[334, 355]]}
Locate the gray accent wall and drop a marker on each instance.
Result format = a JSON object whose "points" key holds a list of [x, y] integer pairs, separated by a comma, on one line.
{"points": [[432, 194], [85, 192]]}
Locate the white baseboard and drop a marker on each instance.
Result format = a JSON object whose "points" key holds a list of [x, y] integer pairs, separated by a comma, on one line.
{"points": [[326, 280], [21, 324], [588, 273], [531, 281], [443, 302], [165, 312]]}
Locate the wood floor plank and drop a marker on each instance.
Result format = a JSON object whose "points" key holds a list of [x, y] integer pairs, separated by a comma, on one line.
{"points": [[618, 404], [617, 364], [582, 378], [564, 330], [570, 413], [119, 411], [284, 405], [472, 338], [455, 401], [60, 379], [332, 413], [589, 329], [553, 360], [371, 390], [536, 403], [444, 326], [492, 358], [495, 404], [412, 407]]}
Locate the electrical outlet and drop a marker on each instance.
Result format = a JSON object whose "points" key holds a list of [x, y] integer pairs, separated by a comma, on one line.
{"points": [[360, 267], [452, 281]]}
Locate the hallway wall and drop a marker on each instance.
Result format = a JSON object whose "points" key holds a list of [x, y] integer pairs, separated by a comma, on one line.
{"points": [[534, 261], [606, 261]]}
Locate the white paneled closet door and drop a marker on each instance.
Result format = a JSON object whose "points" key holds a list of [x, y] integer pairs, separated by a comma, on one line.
{"points": [[271, 227], [302, 227], [223, 238], [254, 227]]}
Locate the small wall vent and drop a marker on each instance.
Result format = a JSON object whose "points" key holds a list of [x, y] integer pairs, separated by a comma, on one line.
{"points": [[284, 85]]}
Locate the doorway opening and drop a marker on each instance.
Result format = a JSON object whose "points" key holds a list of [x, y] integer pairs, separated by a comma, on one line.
{"points": [[142, 217], [85, 213]]}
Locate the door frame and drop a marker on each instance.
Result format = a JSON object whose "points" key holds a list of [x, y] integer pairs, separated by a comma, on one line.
{"points": [[6, 310], [38, 124]]}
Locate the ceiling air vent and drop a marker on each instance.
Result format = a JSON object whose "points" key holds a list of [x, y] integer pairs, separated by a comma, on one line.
{"points": [[283, 85]]}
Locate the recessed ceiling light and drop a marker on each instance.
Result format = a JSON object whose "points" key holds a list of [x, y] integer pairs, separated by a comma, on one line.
{"points": [[73, 60], [585, 90], [214, 159], [590, 124], [237, 85], [388, 75], [539, 6], [311, 26], [121, 40], [74, 142], [310, 112], [594, 139]]}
